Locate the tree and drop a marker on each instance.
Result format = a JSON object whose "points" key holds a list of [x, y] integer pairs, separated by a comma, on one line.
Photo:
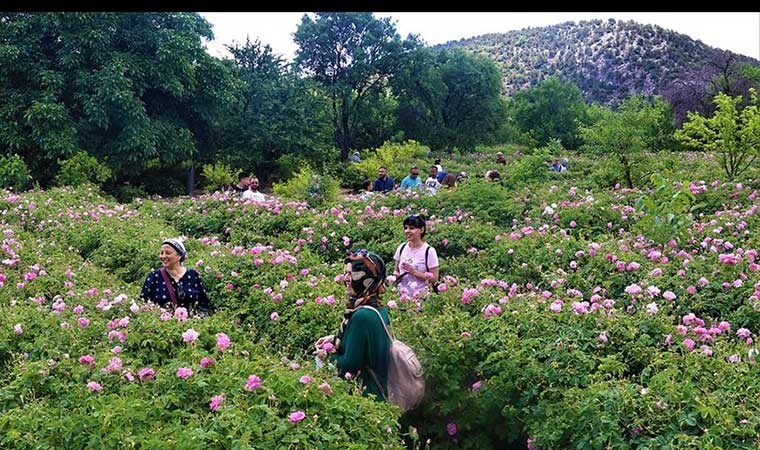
{"points": [[133, 89], [639, 124], [352, 55], [552, 109], [449, 98], [731, 132], [275, 114]]}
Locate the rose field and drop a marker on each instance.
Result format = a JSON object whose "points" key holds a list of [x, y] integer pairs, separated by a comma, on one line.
{"points": [[575, 314]]}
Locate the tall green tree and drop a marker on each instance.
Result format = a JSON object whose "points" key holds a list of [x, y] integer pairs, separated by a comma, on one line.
{"points": [[131, 89], [352, 55], [731, 132], [551, 109], [639, 124], [276, 113], [449, 98]]}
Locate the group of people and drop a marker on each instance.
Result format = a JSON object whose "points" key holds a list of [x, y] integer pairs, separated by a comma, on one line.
{"points": [[557, 166], [361, 345], [248, 188], [437, 179]]}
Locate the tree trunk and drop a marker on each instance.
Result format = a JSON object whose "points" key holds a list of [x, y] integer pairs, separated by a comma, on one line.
{"points": [[191, 179], [627, 167]]}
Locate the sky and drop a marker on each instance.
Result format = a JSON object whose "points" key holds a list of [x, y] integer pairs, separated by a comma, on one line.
{"points": [[737, 32]]}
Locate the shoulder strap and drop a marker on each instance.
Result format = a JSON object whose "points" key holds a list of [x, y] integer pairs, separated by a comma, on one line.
{"points": [[402, 249], [385, 327], [427, 251], [372, 372], [169, 286]]}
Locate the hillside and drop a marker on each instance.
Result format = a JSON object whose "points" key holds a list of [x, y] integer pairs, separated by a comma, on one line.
{"points": [[608, 60]]}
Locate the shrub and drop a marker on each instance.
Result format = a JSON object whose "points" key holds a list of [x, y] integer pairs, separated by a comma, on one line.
{"points": [[14, 173], [306, 185], [219, 175], [82, 168]]}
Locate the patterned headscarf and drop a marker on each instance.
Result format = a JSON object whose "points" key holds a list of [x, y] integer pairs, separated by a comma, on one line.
{"points": [[177, 245], [367, 280]]}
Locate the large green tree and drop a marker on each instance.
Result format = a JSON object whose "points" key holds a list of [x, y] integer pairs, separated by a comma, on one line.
{"points": [[352, 55], [449, 98], [132, 89], [551, 109], [276, 114]]}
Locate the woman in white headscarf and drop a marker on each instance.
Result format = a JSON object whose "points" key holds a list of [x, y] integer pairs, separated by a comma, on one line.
{"points": [[173, 284]]}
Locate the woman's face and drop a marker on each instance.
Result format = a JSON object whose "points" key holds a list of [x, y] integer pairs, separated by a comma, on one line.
{"points": [[169, 256], [412, 233], [347, 280]]}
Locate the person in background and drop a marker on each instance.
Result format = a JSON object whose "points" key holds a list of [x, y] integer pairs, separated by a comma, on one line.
{"points": [[450, 180], [493, 175], [252, 193], [361, 346], [173, 284], [438, 164], [563, 165], [355, 157], [432, 184], [413, 180], [555, 167], [383, 183], [500, 159], [242, 185], [416, 261]]}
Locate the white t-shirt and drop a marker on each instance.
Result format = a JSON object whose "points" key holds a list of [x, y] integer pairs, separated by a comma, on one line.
{"points": [[415, 257], [432, 185], [254, 195]]}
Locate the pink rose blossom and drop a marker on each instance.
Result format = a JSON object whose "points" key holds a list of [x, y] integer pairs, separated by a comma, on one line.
{"points": [[207, 362], [325, 388], [146, 373], [184, 372], [181, 314], [215, 402], [296, 417], [252, 383], [222, 342], [87, 359], [190, 335], [94, 386]]}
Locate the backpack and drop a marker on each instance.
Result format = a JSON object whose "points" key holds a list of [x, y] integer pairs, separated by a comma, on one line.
{"points": [[406, 385], [427, 268]]}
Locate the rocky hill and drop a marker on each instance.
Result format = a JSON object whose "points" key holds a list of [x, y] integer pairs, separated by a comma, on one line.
{"points": [[608, 60]]}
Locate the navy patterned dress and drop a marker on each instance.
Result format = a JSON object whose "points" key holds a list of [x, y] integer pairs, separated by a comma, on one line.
{"points": [[190, 291]]}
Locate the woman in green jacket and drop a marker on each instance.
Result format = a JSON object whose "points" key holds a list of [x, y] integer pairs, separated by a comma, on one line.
{"points": [[361, 345]]}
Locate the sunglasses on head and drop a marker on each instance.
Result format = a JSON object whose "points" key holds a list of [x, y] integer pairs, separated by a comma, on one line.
{"points": [[362, 255]]}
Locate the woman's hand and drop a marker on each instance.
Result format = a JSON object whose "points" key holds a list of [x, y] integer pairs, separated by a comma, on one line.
{"points": [[321, 351], [324, 339]]}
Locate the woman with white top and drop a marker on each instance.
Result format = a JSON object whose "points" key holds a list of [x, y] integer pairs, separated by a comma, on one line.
{"points": [[416, 261]]}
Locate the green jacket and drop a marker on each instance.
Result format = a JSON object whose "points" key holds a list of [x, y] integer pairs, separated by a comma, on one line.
{"points": [[366, 345]]}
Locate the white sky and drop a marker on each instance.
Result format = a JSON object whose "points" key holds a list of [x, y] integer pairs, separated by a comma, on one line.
{"points": [[737, 32]]}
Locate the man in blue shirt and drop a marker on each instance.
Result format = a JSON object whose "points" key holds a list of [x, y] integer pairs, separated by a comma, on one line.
{"points": [[412, 181], [383, 183]]}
